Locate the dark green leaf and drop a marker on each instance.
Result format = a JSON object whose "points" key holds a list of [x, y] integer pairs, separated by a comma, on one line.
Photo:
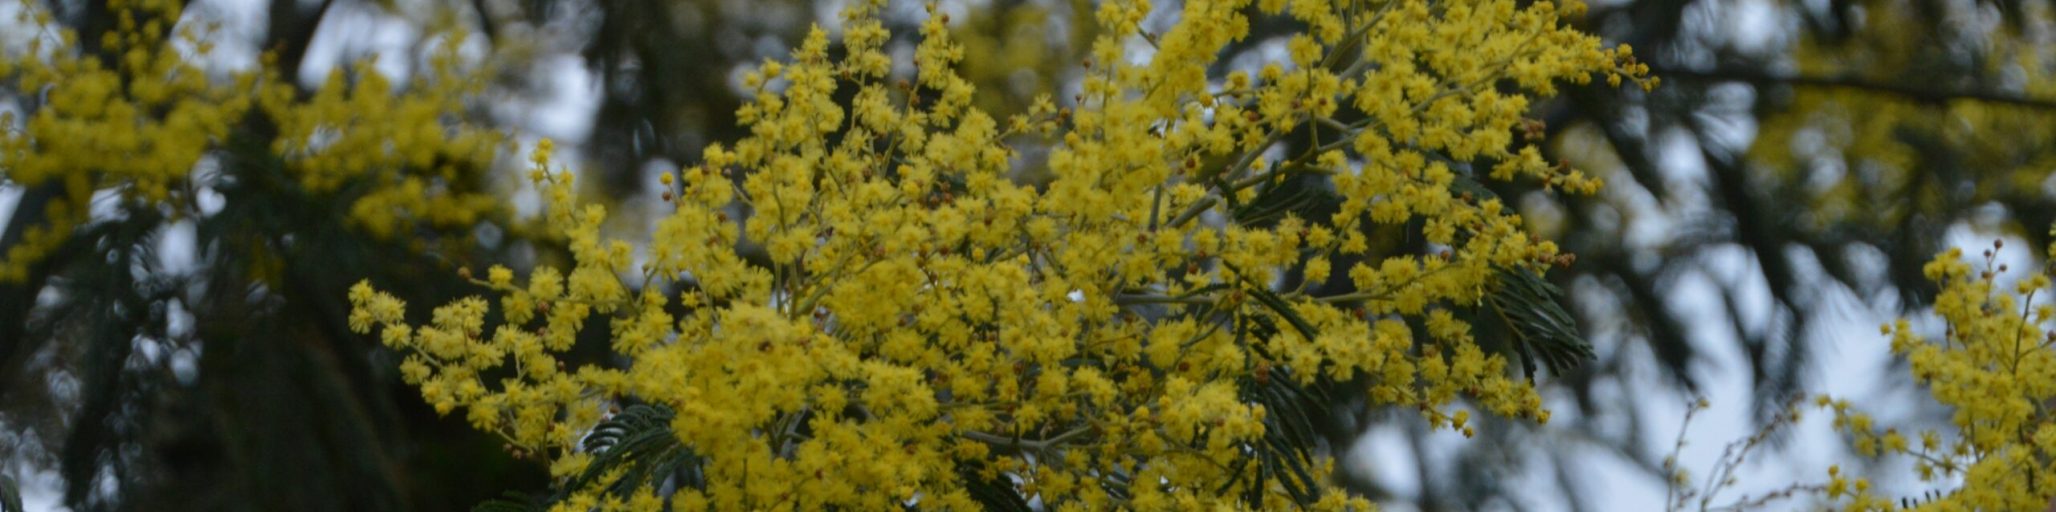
{"points": [[10, 495], [511, 502], [996, 494], [1540, 328], [638, 440]]}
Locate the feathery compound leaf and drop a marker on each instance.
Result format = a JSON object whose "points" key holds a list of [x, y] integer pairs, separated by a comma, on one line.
{"points": [[1290, 436], [996, 494], [1541, 329], [638, 442], [1276, 304], [1306, 196], [1463, 184], [10, 495], [626, 426]]}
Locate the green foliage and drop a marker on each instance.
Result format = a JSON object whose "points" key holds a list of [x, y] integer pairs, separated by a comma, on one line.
{"points": [[638, 444], [1291, 433], [10, 495], [1532, 311]]}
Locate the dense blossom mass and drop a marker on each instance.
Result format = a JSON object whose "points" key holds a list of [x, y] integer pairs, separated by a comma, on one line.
{"points": [[1113, 335], [924, 320], [889, 296]]}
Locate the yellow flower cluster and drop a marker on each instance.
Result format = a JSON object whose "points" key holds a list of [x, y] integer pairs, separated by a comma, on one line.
{"points": [[922, 316], [414, 164], [139, 117], [148, 132], [1996, 368]]}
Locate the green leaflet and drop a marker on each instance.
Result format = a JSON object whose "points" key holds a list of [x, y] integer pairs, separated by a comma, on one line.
{"points": [[10, 495], [1540, 327]]}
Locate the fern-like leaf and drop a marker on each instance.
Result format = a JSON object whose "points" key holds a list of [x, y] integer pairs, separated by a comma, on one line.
{"points": [[638, 441], [10, 495], [1540, 328], [512, 502], [995, 494]]}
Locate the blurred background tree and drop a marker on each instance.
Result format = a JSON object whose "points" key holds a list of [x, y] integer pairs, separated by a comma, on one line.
{"points": [[186, 347], [1801, 162]]}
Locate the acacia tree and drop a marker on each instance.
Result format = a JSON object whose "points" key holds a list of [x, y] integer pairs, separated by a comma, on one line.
{"points": [[927, 331], [151, 378]]}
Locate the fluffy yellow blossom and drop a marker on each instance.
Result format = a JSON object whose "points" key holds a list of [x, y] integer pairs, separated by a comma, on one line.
{"points": [[1109, 339], [1995, 367]]}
